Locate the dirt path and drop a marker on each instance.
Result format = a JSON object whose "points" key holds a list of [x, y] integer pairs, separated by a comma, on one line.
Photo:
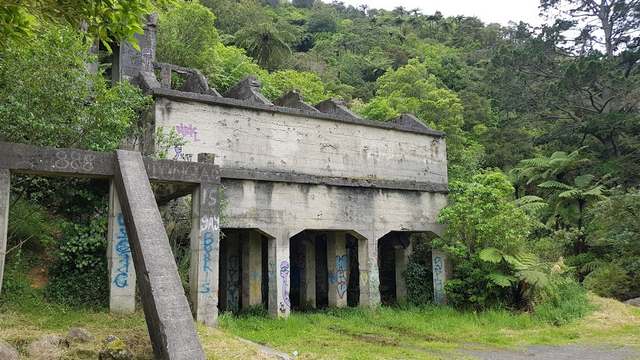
{"points": [[565, 352]]}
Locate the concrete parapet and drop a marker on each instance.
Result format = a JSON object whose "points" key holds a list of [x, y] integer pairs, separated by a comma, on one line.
{"points": [[248, 90], [294, 100]]}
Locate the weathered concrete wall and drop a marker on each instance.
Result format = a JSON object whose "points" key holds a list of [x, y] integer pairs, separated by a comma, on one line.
{"points": [[278, 141]]}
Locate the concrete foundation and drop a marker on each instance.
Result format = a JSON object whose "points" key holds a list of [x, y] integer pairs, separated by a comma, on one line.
{"points": [[5, 182], [251, 269], [338, 269], [122, 284]]}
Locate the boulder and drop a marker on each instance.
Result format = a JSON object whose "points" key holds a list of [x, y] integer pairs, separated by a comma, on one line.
{"points": [[8, 352], [633, 302], [79, 334], [48, 347], [113, 348]]}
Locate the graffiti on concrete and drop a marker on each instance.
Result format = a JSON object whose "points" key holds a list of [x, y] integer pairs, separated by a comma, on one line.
{"points": [[284, 275], [341, 275], [123, 250], [188, 131], [233, 283], [438, 279]]}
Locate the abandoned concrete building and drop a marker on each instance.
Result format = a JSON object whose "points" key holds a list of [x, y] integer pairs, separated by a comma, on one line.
{"points": [[319, 205]]}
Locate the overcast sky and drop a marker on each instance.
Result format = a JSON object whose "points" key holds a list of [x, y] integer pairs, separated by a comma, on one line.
{"points": [[500, 11]]}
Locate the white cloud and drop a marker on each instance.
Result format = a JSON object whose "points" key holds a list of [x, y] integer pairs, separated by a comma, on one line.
{"points": [[489, 11]]}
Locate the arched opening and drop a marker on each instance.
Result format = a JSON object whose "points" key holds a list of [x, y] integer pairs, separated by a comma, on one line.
{"points": [[324, 270]]}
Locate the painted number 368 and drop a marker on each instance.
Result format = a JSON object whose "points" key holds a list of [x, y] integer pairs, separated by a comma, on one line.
{"points": [[74, 161]]}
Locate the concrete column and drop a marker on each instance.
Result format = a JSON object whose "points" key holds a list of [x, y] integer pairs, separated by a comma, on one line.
{"points": [[279, 273], [368, 266], [338, 269], [251, 269], [232, 272], [5, 183], [205, 253], [309, 276], [401, 261], [122, 284], [440, 276]]}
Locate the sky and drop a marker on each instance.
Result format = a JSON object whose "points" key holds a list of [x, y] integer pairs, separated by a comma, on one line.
{"points": [[489, 11]]}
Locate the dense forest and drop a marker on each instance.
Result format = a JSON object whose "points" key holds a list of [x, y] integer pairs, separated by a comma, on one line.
{"points": [[542, 123]]}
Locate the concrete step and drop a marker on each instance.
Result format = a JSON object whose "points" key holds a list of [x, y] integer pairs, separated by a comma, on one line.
{"points": [[169, 320]]}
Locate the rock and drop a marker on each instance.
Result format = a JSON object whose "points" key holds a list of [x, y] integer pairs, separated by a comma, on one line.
{"points": [[114, 348], [48, 347], [8, 352], [633, 302], [79, 334]]}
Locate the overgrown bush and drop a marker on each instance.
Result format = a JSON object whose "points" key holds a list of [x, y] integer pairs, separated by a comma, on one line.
{"points": [[419, 273], [80, 275], [487, 238], [562, 301], [609, 280]]}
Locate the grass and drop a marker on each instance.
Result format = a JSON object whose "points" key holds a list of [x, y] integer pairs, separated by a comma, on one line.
{"points": [[431, 332], [385, 333]]}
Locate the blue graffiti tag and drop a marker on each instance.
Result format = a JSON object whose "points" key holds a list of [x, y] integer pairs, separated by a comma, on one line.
{"points": [[123, 250], [284, 275], [207, 243], [341, 275]]}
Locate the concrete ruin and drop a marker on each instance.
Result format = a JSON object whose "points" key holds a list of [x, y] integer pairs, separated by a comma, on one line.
{"points": [[321, 204]]}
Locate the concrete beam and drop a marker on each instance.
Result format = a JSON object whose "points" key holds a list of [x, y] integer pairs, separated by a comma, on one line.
{"points": [[401, 261], [338, 268], [35, 160], [122, 284], [368, 266], [251, 268], [171, 327], [5, 184]]}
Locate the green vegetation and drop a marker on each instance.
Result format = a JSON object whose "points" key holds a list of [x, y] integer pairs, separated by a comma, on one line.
{"points": [[543, 142]]}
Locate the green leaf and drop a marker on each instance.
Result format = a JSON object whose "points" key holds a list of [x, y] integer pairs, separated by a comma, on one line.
{"points": [[491, 255], [501, 280]]}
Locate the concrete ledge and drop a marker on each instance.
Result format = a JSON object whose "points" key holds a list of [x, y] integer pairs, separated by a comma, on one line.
{"points": [[27, 159], [290, 177], [207, 99]]}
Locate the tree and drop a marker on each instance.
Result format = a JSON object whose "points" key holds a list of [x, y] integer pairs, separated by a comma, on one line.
{"points": [[49, 98], [267, 43], [308, 84], [613, 24], [106, 20]]}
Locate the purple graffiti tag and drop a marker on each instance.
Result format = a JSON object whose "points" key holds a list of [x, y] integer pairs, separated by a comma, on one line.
{"points": [[124, 254], [188, 131], [284, 275]]}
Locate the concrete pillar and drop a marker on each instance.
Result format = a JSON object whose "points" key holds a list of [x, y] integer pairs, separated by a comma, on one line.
{"points": [[368, 266], [205, 253], [232, 272], [440, 275], [251, 269], [122, 284], [308, 290], [338, 269], [401, 255], [279, 273], [5, 183]]}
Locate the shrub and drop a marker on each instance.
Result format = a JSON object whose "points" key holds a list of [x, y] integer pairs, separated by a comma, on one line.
{"points": [[562, 301], [608, 280], [419, 274], [80, 276]]}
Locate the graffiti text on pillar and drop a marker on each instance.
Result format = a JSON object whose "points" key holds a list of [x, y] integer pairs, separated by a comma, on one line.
{"points": [[285, 304], [341, 275], [438, 279], [123, 250], [209, 226]]}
